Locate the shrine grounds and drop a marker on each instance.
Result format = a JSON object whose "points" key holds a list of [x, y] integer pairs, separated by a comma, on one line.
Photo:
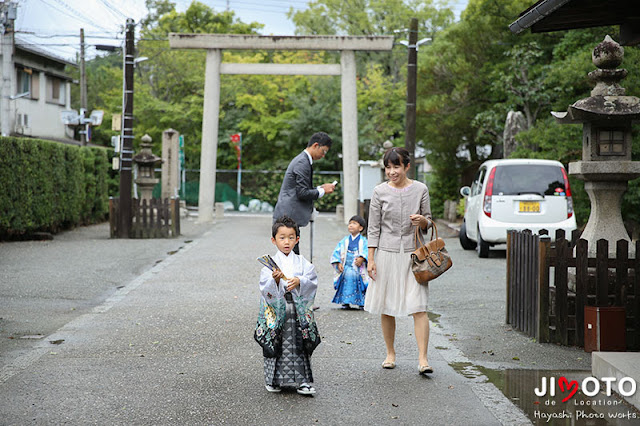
{"points": [[102, 331]]}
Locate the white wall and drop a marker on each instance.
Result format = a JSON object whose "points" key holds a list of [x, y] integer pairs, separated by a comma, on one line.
{"points": [[44, 117]]}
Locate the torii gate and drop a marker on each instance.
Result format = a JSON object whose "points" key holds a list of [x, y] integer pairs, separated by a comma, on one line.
{"points": [[214, 43]]}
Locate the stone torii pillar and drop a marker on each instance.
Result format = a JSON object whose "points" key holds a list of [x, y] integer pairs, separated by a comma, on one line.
{"points": [[214, 43]]}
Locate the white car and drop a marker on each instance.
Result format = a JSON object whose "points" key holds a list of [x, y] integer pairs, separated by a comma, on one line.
{"points": [[515, 194]]}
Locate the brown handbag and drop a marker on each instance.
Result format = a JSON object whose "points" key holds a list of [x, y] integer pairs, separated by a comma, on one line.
{"points": [[429, 260]]}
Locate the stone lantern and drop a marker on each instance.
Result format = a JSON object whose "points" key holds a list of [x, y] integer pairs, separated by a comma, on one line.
{"points": [[606, 165], [146, 162]]}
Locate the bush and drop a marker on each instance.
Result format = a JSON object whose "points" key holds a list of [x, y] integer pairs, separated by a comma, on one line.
{"points": [[47, 186]]}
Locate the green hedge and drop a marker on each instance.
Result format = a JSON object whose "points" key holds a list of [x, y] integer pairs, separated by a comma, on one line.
{"points": [[49, 186]]}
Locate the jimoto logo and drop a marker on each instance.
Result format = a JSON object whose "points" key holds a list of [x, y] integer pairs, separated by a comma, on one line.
{"points": [[590, 386]]}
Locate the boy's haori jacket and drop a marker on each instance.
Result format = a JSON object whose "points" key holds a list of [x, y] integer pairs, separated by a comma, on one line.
{"points": [[271, 318]]}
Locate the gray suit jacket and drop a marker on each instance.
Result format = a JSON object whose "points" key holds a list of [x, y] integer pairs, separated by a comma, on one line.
{"points": [[297, 192]]}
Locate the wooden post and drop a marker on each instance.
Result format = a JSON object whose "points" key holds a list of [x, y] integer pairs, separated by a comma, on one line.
{"points": [[113, 217], [542, 334], [602, 272], [636, 298], [582, 285], [509, 270], [136, 219], [526, 270], [532, 283], [560, 278], [517, 278], [175, 218], [126, 154], [144, 219], [622, 271], [151, 226]]}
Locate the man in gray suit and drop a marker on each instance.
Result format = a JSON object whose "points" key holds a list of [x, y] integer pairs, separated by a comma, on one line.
{"points": [[297, 192]]}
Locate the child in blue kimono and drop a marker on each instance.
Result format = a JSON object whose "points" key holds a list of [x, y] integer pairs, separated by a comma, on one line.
{"points": [[349, 260], [286, 328]]}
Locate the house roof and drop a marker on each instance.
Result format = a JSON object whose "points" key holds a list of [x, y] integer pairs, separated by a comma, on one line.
{"points": [[25, 45], [558, 15]]}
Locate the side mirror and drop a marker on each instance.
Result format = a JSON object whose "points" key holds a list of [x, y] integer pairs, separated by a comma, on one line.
{"points": [[465, 191]]}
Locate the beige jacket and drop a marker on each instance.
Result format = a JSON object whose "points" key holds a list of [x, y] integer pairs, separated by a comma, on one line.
{"points": [[389, 213]]}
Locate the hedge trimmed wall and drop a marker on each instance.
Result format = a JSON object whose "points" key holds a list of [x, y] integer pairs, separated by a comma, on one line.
{"points": [[49, 186]]}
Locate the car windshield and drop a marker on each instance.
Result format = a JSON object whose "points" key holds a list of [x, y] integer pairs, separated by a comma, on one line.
{"points": [[528, 179]]}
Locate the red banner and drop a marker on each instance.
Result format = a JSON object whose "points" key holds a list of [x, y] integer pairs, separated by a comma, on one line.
{"points": [[235, 140]]}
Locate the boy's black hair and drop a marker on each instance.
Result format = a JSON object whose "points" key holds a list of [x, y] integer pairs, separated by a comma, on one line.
{"points": [[360, 221], [397, 156], [285, 221], [321, 138]]}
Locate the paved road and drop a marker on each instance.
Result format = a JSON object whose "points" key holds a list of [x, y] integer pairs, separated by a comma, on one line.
{"points": [[172, 343], [471, 303], [46, 284]]}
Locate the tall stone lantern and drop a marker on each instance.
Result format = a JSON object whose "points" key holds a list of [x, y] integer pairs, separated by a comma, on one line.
{"points": [[146, 162], [606, 165]]}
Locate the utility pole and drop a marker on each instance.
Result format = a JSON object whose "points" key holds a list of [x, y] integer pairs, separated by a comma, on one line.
{"points": [[126, 154], [412, 77], [7, 17], [83, 91]]}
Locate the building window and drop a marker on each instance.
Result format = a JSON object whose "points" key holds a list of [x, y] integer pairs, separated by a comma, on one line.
{"points": [[611, 142], [55, 90], [24, 81]]}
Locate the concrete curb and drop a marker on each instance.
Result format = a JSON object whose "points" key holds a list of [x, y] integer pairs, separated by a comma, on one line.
{"points": [[618, 365]]}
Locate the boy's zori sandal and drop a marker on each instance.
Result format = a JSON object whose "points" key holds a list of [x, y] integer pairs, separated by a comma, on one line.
{"points": [[305, 389]]}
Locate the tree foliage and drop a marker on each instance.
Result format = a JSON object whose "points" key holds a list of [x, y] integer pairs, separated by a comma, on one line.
{"points": [[276, 114], [476, 71], [469, 77]]}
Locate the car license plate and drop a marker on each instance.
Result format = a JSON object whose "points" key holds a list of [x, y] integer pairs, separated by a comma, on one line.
{"points": [[530, 206]]}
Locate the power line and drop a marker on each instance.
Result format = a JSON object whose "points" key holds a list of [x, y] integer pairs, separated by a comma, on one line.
{"points": [[38, 35], [114, 10], [72, 13], [281, 9], [45, 44], [79, 14], [287, 3], [75, 16]]}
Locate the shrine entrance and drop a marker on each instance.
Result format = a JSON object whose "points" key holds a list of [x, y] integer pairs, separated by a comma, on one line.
{"points": [[215, 43]]}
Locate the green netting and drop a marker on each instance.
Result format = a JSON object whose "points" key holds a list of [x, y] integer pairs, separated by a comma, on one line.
{"points": [[224, 192], [260, 185], [190, 192]]}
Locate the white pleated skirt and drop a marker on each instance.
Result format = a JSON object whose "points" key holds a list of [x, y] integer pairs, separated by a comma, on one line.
{"points": [[395, 292]]}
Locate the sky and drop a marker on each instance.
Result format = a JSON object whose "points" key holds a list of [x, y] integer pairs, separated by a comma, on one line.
{"points": [[54, 25]]}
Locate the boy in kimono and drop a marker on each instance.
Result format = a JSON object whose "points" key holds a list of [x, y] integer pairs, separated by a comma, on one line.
{"points": [[349, 260], [286, 329]]}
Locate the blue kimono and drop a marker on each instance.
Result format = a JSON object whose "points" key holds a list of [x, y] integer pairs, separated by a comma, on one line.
{"points": [[351, 284]]}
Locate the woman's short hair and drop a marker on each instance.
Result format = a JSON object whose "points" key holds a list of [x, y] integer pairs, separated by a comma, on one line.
{"points": [[397, 156]]}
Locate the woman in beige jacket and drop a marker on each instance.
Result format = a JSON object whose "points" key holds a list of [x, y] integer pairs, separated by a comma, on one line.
{"points": [[397, 206]]}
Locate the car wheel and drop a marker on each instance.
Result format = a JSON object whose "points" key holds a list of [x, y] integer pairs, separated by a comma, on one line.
{"points": [[483, 247], [465, 242]]}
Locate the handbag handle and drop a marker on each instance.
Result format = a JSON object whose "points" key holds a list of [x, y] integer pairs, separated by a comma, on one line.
{"points": [[418, 238]]}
